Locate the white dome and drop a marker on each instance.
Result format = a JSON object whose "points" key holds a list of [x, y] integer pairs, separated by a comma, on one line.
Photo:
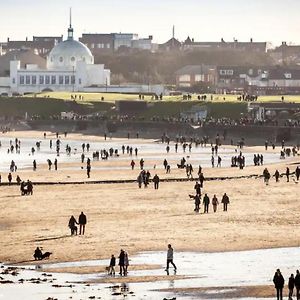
{"points": [[66, 54]]}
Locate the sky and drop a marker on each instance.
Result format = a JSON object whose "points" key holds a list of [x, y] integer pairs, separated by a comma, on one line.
{"points": [[204, 20]]}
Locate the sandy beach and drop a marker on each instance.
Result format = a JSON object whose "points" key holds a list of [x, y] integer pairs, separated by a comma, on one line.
{"points": [[123, 216], [139, 220]]}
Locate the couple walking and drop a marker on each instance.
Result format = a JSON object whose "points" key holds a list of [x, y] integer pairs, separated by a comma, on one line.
{"points": [[82, 220], [123, 263]]}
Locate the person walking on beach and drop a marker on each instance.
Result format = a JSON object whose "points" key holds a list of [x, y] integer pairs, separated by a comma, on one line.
{"points": [[156, 181], [215, 203], [82, 220], [9, 177], [277, 175], [287, 174], [55, 164], [126, 263], [297, 172], [197, 203], [225, 201], [267, 176], [132, 164], [291, 285], [122, 262], [206, 202], [278, 281], [72, 225], [112, 265], [297, 284], [170, 257], [197, 188]]}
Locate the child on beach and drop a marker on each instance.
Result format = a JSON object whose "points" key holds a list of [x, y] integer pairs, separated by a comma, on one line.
{"points": [[112, 264]]}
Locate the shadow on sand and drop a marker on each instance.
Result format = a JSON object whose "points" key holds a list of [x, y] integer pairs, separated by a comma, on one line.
{"points": [[49, 238]]}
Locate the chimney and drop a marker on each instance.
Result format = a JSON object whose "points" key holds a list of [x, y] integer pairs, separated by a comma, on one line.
{"points": [[26, 39], [8, 39], [251, 40]]}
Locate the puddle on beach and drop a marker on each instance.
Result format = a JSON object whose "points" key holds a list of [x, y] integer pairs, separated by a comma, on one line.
{"points": [[154, 150], [244, 268]]}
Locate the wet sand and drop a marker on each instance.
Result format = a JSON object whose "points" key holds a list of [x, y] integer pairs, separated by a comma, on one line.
{"points": [[235, 292]]}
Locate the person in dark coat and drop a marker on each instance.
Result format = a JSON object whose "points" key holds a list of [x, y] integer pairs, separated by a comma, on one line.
{"points": [[37, 254], [277, 175], [197, 203], [156, 181], [112, 265], [278, 283], [287, 174], [82, 222], [297, 172], [72, 225], [225, 201], [201, 179], [197, 188], [122, 262], [291, 286], [206, 202], [297, 284]]}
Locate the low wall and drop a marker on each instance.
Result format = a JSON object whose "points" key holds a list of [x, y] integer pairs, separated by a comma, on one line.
{"points": [[157, 129]]}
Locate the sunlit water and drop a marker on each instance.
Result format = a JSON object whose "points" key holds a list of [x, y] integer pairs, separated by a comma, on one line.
{"points": [[149, 151], [244, 268]]}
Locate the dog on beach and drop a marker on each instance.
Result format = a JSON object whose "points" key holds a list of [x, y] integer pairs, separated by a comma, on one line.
{"points": [[46, 255]]}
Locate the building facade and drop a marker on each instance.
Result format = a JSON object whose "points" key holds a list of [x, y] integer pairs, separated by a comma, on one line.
{"points": [[70, 67], [192, 75]]}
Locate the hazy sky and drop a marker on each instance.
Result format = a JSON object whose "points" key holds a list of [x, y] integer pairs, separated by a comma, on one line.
{"points": [[204, 20]]}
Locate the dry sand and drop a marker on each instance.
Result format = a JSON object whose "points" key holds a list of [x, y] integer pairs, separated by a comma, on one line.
{"points": [[123, 216]]}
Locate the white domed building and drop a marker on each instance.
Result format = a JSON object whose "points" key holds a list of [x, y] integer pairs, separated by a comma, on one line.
{"points": [[70, 67]]}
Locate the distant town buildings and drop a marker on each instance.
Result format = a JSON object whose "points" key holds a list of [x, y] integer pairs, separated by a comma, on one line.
{"points": [[42, 45], [108, 43], [192, 75], [240, 79]]}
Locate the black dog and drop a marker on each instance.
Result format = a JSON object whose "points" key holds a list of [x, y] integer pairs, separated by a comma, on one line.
{"points": [[46, 255]]}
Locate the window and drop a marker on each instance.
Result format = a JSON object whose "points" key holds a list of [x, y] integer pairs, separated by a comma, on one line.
{"points": [[79, 80], [27, 79], [61, 79], [41, 79], [67, 80], [226, 72], [199, 77], [22, 79], [92, 46], [53, 79], [108, 46], [288, 75], [72, 79], [14, 81], [61, 59], [185, 77], [72, 58], [47, 79], [33, 79]]}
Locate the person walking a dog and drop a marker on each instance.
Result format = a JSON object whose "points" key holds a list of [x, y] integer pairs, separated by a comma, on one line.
{"points": [[82, 220], [112, 264]]}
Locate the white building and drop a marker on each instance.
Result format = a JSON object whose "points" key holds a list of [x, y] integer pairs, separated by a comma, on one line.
{"points": [[70, 67]]}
